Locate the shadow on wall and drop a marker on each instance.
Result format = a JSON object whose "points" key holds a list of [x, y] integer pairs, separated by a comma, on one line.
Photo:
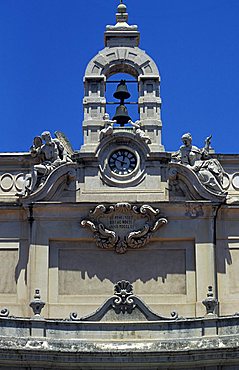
{"points": [[160, 265], [134, 265]]}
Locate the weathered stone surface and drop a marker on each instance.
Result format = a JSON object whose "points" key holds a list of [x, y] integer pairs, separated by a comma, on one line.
{"points": [[181, 345]]}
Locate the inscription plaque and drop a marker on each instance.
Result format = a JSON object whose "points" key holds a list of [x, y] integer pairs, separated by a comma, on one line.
{"points": [[121, 222], [122, 226]]}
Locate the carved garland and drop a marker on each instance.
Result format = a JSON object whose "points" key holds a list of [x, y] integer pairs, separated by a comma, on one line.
{"points": [[118, 238]]}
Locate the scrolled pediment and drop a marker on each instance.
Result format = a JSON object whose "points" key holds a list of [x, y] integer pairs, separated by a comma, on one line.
{"points": [[192, 187], [55, 183], [124, 302]]}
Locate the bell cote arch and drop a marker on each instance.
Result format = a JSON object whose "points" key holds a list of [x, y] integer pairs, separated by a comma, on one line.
{"points": [[122, 55]]}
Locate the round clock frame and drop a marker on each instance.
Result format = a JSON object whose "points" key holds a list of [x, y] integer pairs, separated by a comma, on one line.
{"points": [[122, 162]]}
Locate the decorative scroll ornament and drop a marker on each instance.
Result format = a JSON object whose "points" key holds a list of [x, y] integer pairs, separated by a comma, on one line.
{"points": [[182, 178], [122, 226], [124, 302], [4, 312]]}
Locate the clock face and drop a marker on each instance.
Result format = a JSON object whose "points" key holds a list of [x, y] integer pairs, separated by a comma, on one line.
{"points": [[122, 162]]}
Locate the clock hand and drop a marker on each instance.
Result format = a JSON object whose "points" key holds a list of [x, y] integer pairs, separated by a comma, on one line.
{"points": [[122, 161], [119, 160]]}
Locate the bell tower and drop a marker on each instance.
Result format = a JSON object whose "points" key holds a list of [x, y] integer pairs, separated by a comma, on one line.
{"points": [[122, 54]]}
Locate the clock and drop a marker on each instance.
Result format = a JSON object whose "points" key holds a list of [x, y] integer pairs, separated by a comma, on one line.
{"points": [[122, 162]]}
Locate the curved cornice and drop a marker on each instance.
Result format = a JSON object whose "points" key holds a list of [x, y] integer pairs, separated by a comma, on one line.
{"points": [[55, 182], [190, 179]]}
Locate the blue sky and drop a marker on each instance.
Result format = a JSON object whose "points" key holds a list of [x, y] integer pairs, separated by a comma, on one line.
{"points": [[45, 46]]}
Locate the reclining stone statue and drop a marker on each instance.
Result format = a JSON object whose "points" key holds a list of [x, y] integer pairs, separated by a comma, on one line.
{"points": [[49, 154], [208, 170]]}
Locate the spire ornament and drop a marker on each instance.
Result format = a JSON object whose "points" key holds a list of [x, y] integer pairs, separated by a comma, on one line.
{"points": [[122, 15], [122, 32]]}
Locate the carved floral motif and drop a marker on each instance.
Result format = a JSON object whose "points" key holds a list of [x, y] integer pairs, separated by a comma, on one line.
{"points": [[122, 226]]}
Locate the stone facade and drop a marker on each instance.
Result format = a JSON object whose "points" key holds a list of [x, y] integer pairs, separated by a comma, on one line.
{"points": [[161, 227]]}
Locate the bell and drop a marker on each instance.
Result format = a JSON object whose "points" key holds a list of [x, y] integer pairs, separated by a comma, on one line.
{"points": [[121, 115], [122, 91]]}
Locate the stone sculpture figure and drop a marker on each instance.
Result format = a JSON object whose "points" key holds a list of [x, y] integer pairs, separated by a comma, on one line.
{"points": [[108, 127], [208, 170], [139, 132], [49, 153]]}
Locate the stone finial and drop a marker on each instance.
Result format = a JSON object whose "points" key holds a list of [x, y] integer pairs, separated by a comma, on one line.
{"points": [[122, 20], [126, 34], [121, 15], [37, 304], [210, 302]]}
